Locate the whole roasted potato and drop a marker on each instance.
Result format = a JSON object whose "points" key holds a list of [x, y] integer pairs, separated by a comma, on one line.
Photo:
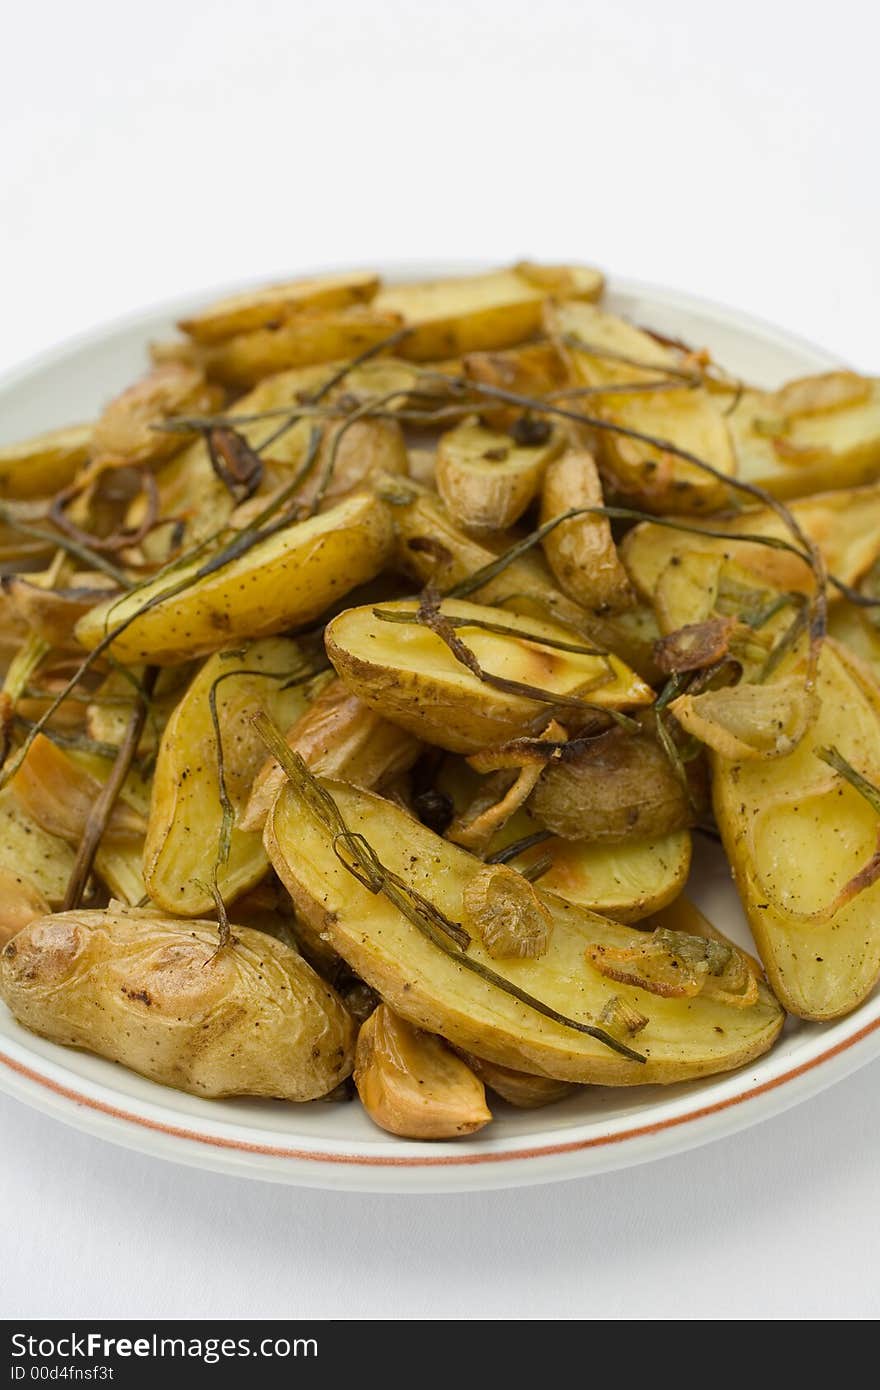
{"points": [[156, 995], [611, 789]]}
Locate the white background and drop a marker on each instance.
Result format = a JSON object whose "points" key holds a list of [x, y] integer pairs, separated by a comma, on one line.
{"points": [[150, 150]]}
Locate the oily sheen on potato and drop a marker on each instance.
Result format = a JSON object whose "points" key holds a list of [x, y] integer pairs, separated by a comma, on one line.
{"points": [[155, 994], [681, 1037]]}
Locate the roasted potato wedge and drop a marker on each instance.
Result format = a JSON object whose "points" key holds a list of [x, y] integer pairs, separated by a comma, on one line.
{"points": [[627, 881], [40, 466], [813, 434], [845, 525], [156, 994], [680, 1036], [126, 432], [581, 552], [486, 479], [698, 585], [306, 338], [473, 313], [430, 546], [186, 813], [605, 351], [337, 736], [408, 673], [52, 613], [797, 836], [534, 370], [34, 867], [272, 304], [57, 790], [284, 581], [412, 1083]]}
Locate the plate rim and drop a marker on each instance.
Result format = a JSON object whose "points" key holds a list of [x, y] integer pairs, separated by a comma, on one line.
{"points": [[560, 1160], [520, 1162]]}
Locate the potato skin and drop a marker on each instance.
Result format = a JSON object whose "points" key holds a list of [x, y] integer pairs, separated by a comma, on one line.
{"points": [[684, 1038], [616, 789], [186, 814], [40, 466], [407, 674], [284, 581], [581, 552], [155, 994], [474, 313], [487, 480]]}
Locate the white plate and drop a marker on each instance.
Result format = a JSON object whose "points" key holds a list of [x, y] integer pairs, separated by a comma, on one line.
{"points": [[325, 1145]]}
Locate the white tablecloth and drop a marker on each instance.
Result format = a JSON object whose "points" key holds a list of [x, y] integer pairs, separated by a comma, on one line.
{"points": [[148, 152]]}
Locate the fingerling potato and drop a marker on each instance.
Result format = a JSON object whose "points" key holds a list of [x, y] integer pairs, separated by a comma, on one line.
{"points": [[308, 337], [682, 1035], [271, 304], [797, 834], [581, 552], [626, 881], [283, 581], [603, 350], [616, 788], [472, 313], [845, 525], [40, 466], [430, 546], [486, 479], [813, 434], [186, 812], [408, 673], [339, 736], [156, 995]]}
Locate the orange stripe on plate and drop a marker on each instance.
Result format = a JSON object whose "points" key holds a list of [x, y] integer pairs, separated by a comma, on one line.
{"points": [[438, 1161]]}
